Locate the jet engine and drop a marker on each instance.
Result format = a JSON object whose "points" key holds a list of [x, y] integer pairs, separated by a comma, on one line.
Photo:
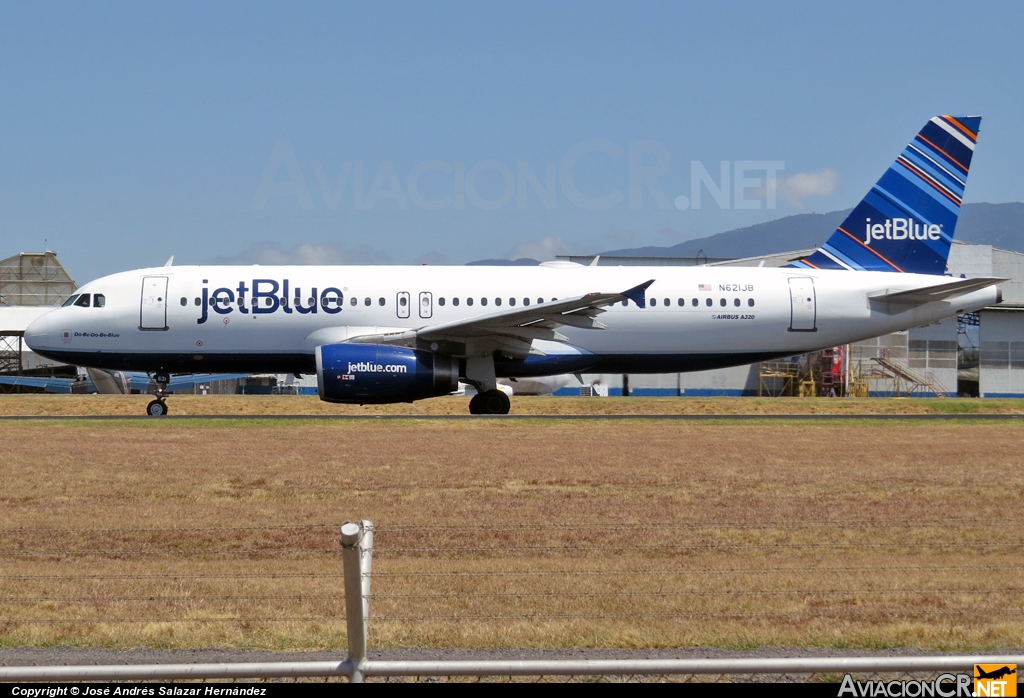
{"points": [[374, 373]]}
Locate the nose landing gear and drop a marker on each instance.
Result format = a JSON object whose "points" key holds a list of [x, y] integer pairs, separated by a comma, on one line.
{"points": [[158, 407]]}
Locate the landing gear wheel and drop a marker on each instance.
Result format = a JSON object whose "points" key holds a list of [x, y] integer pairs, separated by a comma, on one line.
{"points": [[490, 402], [157, 408]]}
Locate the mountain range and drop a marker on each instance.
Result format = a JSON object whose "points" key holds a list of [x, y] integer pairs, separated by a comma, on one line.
{"points": [[999, 225]]}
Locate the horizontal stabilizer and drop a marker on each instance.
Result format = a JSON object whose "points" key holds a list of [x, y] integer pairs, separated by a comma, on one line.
{"points": [[930, 294]]}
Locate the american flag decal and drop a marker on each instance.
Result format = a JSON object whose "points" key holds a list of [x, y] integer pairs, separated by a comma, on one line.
{"points": [[704, 287]]}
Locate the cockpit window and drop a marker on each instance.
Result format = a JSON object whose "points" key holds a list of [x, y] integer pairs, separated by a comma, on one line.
{"points": [[69, 301], [98, 300], [83, 301]]}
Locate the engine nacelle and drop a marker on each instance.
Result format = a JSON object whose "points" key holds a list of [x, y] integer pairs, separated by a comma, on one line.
{"points": [[375, 373]]}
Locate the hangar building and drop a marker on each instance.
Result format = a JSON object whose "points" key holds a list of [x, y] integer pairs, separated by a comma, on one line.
{"points": [[30, 284]]}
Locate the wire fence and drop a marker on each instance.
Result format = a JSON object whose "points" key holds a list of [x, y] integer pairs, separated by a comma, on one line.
{"points": [[912, 570], [660, 583]]}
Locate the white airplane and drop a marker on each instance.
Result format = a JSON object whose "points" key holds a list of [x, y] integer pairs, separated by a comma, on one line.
{"points": [[397, 334]]}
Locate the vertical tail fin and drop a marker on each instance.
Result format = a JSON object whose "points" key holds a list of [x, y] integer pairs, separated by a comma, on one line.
{"points": [[907, 220]]}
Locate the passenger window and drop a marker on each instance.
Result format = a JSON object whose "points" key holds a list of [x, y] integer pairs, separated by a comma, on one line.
{"points": [[497, 301], [270, 301], [440, 301], [483, 301], [681, 302], [366, 301], [99, 300], [455, 301], [721, 302], [540, 301], [750, 302], [469, 301], [184, 301], [70, 301], [526, 301], [354, 301], [511, 301], [708, 302], [403, 300], [736, 302], [83, 301], [625, 303], [667, 302], [380, 302], [199, 301], [694, 303]]}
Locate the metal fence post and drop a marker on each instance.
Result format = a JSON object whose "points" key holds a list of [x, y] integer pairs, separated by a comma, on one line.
{"points": [[357, 558]]}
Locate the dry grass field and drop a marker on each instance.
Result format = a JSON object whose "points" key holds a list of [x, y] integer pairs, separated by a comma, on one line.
{"points": [[135, 405], [527, 533]]}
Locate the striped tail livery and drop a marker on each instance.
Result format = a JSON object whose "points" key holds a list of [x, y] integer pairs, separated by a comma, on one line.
{"points": [[907, 220]]}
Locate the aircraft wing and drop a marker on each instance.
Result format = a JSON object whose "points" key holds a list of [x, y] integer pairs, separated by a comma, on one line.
{"points": [[903, 300], [98, 381], [49, 384], [512, 330]]}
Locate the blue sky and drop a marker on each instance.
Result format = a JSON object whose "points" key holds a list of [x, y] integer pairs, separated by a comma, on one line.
{"points": [[222, 131]]}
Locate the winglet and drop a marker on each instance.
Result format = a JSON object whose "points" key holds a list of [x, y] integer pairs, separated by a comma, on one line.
{"points": [[637, 294]]}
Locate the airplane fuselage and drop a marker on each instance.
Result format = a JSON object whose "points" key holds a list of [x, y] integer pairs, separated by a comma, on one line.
{"points": [[271, 319]]}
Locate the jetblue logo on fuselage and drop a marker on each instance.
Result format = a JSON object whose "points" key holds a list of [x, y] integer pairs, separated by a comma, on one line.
{"points": [[268, 296], [900, 229]]}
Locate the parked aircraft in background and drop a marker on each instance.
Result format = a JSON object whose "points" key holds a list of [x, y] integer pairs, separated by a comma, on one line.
{"points": [[542, 385], [394, 334], [115, 382]]}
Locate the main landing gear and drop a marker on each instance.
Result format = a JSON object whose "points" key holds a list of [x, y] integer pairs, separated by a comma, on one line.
{"points": [[490, 402], [158, 407]]}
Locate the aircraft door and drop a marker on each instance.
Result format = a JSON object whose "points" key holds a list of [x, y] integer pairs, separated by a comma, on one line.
{"points": [[153, 312], [402, 304], [803, 313], [426, 304]]}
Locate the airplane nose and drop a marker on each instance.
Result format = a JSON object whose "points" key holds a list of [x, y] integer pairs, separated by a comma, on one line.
{"points": [[42, 333]]}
